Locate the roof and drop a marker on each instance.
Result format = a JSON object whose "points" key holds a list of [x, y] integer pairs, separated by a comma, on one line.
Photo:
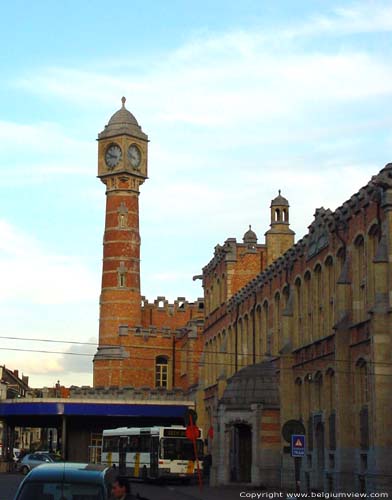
{"points": [[68, 472], [250, 236], [279, 201], [123, 123], [20, 407], [253, 384]]}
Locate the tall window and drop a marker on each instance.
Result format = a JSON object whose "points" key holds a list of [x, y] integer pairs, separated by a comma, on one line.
{"points": [[298, 398], [329, 292], [359, 280], [372, 243], [265, 347], [277, 322], [318, 301], [298, 307], [308, 309], [161, 371], [259, 352]]}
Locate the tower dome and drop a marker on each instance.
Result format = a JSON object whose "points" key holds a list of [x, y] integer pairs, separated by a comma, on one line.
{"points": [[250, 237], [123, 122], [279, 201]]}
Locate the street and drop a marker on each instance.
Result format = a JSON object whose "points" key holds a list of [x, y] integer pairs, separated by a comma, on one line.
{"points": [[9, 484]]}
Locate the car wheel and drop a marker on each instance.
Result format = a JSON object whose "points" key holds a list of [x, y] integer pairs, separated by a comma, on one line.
{"points": [[24, 470]]}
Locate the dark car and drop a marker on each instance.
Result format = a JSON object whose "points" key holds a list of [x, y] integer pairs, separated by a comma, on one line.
{"points": [[64, 481], [32, 460]]}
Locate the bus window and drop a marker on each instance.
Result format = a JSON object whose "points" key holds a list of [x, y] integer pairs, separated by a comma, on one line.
{"points": [[133, 444], [110, 444], [180, 449]]}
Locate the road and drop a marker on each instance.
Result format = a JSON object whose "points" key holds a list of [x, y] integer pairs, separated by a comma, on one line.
{"points": [[9, 484]]}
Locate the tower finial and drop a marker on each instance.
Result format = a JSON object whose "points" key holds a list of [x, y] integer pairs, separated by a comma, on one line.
{"points": [[123, 99], [278, 189]]}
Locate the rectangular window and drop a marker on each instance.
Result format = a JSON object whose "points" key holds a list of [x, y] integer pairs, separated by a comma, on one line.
{"points": [[161, 375]]}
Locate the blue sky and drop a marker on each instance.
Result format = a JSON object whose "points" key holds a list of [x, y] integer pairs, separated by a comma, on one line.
{"points": [[239, 99]]}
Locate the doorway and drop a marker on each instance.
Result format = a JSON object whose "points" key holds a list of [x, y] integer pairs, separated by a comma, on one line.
{"points": [[241, 453]]}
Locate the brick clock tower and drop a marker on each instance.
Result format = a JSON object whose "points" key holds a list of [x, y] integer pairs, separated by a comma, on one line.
{"points": [[122, 167]]}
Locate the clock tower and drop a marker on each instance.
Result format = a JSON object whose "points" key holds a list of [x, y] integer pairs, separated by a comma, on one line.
{"points": [[122, 167]]}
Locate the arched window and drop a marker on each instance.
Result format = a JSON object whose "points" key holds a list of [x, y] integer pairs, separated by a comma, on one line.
{"points": [[318, 301], [259, 352], [230, 351], [299, 396], [246, 342], [277, 215], [298, 309], [277, 322], [359, 280], [265, 346], [308, 309], [161, 371], [318, 391], [372, 243], [362, 382], [329, 295]]}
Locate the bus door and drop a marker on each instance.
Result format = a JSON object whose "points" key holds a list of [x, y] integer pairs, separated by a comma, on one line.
{"points": [[154, 456], [122, 453]]}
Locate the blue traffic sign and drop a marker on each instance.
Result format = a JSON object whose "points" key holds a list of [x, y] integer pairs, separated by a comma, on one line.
{"points": [[297, 445]]}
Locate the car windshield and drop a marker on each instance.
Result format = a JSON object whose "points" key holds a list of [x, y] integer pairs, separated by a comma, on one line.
{"points": [[61, 491]]}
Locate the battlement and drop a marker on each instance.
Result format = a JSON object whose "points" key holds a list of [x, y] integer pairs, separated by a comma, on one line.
{"points": [[181, 304], [127, 393], [189, 329]]}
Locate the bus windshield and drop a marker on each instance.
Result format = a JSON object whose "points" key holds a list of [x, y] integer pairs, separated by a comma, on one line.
{"points": [[180, 449]]}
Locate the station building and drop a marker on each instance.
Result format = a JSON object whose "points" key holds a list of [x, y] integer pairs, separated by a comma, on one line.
{"points": [[306, 339]]}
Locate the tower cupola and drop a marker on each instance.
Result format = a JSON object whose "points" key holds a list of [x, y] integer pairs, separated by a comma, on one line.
{"points": [[279, 237], [250, 237], [123, 123], [279, 210]]}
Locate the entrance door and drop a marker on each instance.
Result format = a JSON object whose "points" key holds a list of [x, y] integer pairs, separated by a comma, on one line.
{"points": [[154, 456], [122, 452], [241, 454], [319, 432]]}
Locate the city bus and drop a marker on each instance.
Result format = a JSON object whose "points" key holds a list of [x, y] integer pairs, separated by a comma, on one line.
{"points": [[152, 452]]}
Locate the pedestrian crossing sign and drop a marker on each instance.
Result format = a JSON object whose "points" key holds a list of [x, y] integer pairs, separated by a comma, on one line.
{"points": [[297, 445]]}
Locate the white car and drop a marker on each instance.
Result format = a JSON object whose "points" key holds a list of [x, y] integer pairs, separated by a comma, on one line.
{"points": [[32, 460]]}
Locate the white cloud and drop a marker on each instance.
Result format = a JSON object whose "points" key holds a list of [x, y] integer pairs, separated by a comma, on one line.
{"points": [[31, 273]]}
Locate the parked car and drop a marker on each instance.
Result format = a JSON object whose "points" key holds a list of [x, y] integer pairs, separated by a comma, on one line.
{"points": [[65, 481], [32, 460]]}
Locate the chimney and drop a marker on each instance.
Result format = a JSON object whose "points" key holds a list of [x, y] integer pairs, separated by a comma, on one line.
{"points": [[25, 379], [16, 373]]}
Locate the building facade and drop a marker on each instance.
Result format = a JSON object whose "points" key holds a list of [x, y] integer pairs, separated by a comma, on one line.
{"points": [[308, 339]]}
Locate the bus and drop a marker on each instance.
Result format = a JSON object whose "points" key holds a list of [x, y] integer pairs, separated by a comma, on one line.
{"points": [[152, 452]]}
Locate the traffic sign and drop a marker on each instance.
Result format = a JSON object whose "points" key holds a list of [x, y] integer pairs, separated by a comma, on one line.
{"points": [[297, 445], [192, 432], [292, 427]]}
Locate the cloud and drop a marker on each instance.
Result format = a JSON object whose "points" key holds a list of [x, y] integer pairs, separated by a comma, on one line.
{"points": [[33, 274], [359, 17], [238, 80]]}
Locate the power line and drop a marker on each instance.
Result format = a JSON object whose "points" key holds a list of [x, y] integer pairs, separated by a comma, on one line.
{"points": [[158, 347], [200, 363]]}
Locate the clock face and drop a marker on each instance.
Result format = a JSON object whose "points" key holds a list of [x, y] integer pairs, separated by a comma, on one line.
{"points": [[134, 156], [113, 155]]}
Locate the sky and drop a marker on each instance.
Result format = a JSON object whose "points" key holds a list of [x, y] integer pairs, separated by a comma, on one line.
{"points": [[239, 99]]}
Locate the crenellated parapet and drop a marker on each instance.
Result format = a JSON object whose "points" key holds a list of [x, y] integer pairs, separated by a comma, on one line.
{"points": [[126, 393], [181, 304], [325, 226]]}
